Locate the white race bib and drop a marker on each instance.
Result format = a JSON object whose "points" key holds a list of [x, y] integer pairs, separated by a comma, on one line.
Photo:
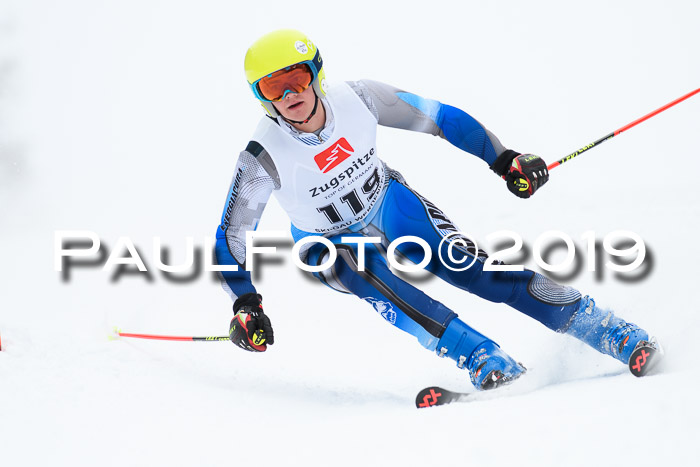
{"points": [[331, 186]]}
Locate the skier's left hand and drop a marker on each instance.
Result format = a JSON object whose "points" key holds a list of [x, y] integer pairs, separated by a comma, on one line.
{"points": [[526, 174], [523, 173]]}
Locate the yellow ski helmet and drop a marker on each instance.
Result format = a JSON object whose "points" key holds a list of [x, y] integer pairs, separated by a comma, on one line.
{"points": [[278, 50]]}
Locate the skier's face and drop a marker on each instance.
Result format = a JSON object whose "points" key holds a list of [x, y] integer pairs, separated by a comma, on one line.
{"points": [[297, 106]]}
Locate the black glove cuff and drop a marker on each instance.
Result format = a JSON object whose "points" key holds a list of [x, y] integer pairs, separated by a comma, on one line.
{"points": [[249, 299], [503, 162]]}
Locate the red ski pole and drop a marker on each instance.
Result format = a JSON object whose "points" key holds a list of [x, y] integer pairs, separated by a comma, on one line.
{"points": [[119, 333], [618, 131]]}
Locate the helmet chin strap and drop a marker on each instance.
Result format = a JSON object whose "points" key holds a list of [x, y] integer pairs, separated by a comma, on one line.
{"points": [[313, 112]]}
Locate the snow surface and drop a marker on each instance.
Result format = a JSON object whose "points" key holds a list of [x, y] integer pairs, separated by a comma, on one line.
{"points": [[126, 117]]}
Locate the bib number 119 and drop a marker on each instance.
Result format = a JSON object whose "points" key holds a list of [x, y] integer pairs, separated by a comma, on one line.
{"points": [[352, 200]]}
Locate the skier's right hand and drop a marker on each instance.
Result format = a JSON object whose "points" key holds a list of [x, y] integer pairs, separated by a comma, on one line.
{"points": [[250, 327]]}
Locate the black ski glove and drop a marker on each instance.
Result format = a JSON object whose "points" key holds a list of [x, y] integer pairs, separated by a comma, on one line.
{"points": [[524, 173], [250, 328]]}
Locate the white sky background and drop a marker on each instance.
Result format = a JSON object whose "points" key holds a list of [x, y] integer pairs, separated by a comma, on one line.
{"points": [[126, 118]]}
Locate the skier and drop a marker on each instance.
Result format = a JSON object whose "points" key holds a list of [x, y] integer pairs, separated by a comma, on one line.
{"points": [[316, 151]]}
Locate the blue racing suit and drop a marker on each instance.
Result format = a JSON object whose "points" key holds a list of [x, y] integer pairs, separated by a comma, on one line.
{"points": [[400, 212]]}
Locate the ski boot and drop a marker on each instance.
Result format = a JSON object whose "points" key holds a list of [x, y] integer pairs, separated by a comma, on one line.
{"points": [[613, 336], [489, 367]]}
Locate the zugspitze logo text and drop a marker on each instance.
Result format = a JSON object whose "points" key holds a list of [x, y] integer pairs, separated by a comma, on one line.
{"points": [[334, 155]]}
